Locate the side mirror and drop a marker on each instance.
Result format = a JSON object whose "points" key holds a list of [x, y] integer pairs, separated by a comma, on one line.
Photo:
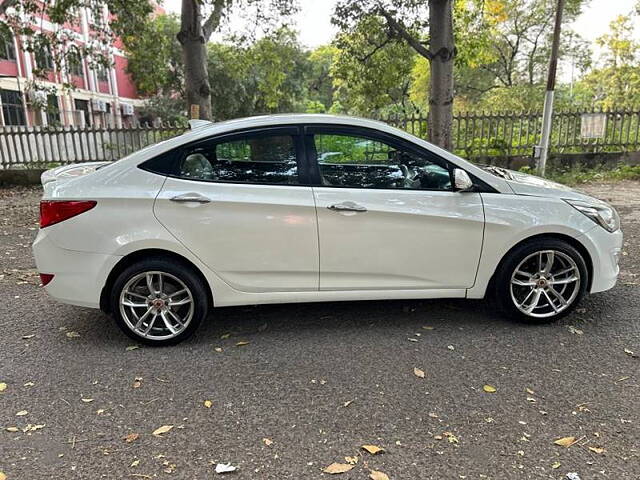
{"points": [[461, 181]]}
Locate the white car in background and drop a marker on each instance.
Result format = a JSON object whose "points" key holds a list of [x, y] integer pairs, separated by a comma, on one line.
{"points": [[306, 208]]}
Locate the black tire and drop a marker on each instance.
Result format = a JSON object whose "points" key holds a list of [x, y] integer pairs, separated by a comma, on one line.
{"points": [[173, 270], [502, 286]]}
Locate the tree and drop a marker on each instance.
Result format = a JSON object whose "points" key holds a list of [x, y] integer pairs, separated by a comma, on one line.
{"points": [[196, 29], [155, 57], [406, 21]]}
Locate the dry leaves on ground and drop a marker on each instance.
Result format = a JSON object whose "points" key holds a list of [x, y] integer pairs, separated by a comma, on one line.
{"points": [[162, 430], [598, 450], [208, 404], [137, 382], [418, 373], [335, 468], [21, 413], [132, 437], [242, 344], [373, 449], [565, 441], [3, 386], [489, 389], [225, 468], [351, 460], [377, 475], [73, 334], [267, 441]]}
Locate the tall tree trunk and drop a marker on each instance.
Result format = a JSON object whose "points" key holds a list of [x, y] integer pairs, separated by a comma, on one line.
{"points": [[442, 48], [194, 51]]}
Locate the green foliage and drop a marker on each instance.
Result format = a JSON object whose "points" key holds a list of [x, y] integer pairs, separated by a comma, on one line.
{"points": [[580, 175], [155, 58]]}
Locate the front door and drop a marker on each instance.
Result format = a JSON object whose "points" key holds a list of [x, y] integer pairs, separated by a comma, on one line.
{"points": [[239, 204], [388, 217]]}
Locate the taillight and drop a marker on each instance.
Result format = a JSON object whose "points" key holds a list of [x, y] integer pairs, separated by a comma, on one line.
{"points": [[56, 211], [45, 278]]}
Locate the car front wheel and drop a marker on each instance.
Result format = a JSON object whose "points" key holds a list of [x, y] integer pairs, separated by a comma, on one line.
{"points": [[158, 302], [541, 281]]}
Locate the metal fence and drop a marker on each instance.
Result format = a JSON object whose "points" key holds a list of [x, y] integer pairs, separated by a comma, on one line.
{"points": [[44, 146], [517, 133]]}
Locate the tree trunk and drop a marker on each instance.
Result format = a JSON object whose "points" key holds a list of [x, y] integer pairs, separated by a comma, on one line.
{"points": [[194, 51], [442, 48]]}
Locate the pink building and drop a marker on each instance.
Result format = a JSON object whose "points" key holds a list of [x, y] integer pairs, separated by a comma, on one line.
{"points": [[101, 97]]}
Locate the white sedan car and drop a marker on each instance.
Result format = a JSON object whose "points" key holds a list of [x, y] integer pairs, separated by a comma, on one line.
{"points": [[306, 208]]}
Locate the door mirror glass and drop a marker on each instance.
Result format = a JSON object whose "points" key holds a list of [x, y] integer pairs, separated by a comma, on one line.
{"points": [[461, 180]]}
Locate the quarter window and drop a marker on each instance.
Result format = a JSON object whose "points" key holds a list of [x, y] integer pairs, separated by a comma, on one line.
{"points": [[251, 159], [361, 162]]}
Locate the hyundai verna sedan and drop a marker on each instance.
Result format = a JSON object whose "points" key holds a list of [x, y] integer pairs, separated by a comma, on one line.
{"points": [[306, 208]]}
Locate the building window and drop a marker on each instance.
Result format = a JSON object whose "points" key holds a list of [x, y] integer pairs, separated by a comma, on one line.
{"points": [[83, 106], [53, 110], [44, 59], [103, 75], [12, 108], [74, 65], [7, 49]]}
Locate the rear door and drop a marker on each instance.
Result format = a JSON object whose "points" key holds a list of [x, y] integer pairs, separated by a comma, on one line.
{"points": [[242, 205], [388, 217]]}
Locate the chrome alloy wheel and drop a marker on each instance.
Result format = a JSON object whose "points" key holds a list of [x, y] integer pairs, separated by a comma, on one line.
{"points": [[156, 305], [545, 283]]}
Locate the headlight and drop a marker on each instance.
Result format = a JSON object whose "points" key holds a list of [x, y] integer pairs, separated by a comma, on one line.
{"points": [[601, 213]]}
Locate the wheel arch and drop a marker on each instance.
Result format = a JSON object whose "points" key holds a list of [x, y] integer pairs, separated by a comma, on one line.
{"points": [[145, 254], [575, 243]]}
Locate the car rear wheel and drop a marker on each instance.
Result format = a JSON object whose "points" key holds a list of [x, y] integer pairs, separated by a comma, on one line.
{"points": [[541, 281], [158, 302]]}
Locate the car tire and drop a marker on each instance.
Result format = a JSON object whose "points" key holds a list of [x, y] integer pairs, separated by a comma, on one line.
{"points": [[159, 301], [528, 289]]}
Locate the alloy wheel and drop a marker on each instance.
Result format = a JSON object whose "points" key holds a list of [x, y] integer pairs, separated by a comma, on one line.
{"points": [[156, 305], [545, 283]]}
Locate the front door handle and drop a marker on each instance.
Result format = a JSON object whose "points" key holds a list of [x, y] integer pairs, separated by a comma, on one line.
{"points": [[190, 197], [347, 207]]}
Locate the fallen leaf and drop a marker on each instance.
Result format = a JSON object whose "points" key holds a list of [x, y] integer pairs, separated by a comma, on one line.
{"points": [[531, 399], [598, 450], [555, 465], [12, 429], [242, 344], [412, 339], [33, 428], [132, 347], [267, 441], [225, 468], [132, 437], [451, 347], [137, 382], [100, 411], [372, 449], [21, 413], [218, 349], [87, 400], [337, 468], [161, 430], [225, 336], [565, 441], [629, 352], [427, 327], [27, 337], [451, 438], [135, 463], [346, 404], [574, 330], [208, 403], [489, 389], [529, 391], [418, 373], [3, 386], [73, 334], [351, 460], [3, 476], [376, 475]]}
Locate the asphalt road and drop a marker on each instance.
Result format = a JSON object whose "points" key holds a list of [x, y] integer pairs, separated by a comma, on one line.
{"points": [[70, 370]]}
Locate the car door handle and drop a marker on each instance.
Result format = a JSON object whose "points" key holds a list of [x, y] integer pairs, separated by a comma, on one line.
{"points": [[190, 197], [347, 207]]}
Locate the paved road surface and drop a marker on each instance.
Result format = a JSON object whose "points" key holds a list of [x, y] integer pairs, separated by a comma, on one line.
{"points": [[69, 368]]}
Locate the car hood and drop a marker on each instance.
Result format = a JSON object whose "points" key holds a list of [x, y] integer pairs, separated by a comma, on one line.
{"points": [[525, 184]]}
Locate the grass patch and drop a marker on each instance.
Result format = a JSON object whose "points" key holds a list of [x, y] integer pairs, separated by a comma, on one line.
{"points": [[579, 175]]}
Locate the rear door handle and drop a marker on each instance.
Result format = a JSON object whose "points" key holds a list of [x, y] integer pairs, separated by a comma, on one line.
{"points": [[347, 207], [190, 197]]}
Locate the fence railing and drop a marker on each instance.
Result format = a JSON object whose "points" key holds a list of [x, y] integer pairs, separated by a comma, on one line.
{"points": [[475, 135], [513, 134], [41, 146]]}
